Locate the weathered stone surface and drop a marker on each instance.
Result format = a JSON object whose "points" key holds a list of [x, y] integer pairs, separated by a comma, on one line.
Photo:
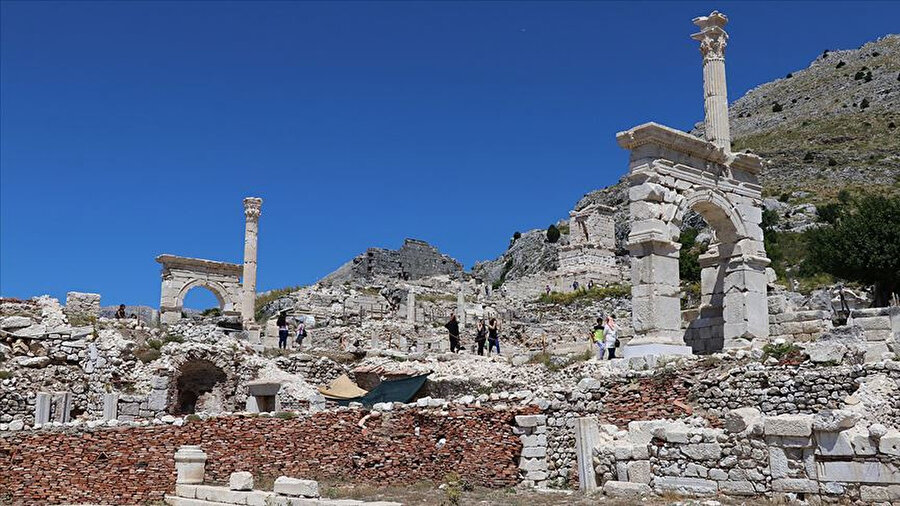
{"points": [[625, 489], [889, 444], [703, 451], [685, 486], [741, 419], [296, 487], [639, 471], [788, 425], [859, 472], [879, 494], [241, 480], [741, 487], [795, 485], [530, 420]]}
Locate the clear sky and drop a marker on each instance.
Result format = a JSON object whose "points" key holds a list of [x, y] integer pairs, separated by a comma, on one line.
{"points": [[131, 129]]}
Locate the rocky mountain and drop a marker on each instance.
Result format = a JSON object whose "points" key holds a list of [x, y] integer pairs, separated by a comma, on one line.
{"points": [[416, 259], [821, 129], [829, 126]]}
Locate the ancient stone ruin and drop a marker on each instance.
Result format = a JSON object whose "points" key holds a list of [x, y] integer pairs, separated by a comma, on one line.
{"points": [[589, 257], [670, 172]]}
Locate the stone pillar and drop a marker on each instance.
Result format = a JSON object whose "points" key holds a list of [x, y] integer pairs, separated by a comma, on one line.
{"points": [[190, 464], [411, 307], [110, 406], [713, 39], [41, 409], [745, 305], [587, 436], [655, 299], [461, 309], [252, 207], [62, 406]]}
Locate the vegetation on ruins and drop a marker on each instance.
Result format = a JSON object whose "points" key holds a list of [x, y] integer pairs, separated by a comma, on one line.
{"points": [[863, 244], [784, 353], [556, 363], [272, 295], [689, 261], [553, 234], [583, 295]]}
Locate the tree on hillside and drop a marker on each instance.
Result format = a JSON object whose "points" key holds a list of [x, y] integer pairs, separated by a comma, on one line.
{"points": [[553, 234], [863, 244]]}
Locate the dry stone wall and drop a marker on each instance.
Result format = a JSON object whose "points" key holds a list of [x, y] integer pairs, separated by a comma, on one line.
{"points": [[135, 465]]}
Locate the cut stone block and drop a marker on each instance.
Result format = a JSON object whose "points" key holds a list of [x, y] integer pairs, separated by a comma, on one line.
{"points": [[639, 471], [859, 472], [685, 486], [741, 487], [625, 489], [795, 485], [296, 487], [531, 420], [241, 480], [788, 425], [879, 494], [703, 451]]}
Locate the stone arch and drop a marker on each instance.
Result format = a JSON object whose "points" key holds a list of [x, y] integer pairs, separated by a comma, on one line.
{"points": [[217, 289], [671, 172], [181, 274]]}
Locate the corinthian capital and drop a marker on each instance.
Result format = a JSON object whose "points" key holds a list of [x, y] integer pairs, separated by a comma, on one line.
{"points": [[712, 35], [252, 206]]}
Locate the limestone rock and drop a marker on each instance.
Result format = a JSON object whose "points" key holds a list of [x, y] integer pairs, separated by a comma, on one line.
{"points": [[241, 480], [295, 487]]}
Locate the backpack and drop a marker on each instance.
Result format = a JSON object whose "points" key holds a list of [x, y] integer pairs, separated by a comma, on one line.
{"points": [[598, 335]]}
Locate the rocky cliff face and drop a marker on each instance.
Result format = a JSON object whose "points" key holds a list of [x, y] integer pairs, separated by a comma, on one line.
{"points": [[414, 260], [529, 254]]}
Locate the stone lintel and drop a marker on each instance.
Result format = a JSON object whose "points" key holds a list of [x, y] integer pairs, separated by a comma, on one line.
{"points": [[197, 265]]}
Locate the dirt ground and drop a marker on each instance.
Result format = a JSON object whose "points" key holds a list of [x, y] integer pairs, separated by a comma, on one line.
{"points": [[429, 494]]}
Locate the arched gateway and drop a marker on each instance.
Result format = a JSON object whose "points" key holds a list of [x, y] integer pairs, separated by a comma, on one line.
{"points": [[181, 274], [670, 172]]}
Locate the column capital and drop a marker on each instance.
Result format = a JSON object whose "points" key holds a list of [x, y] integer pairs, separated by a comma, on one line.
{"points": [[252, 207], [712, 36]]}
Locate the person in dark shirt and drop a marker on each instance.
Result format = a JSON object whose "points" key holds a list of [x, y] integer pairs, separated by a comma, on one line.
{"points": [[282, 330], [480, 336], [120, 313], [493, 335], [453, 328]]}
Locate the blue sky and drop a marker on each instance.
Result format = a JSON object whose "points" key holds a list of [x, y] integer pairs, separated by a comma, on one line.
{"points": [[131, 129]]}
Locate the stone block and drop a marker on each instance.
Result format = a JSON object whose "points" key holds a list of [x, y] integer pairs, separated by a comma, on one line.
{"points": [[685, 486], [219, 495], [859, 472], [834, 444], [296, 487], [834, 420], [788, 425], [741, 419], [797, 485], [889, 443], [534, 452], [241, 480], [639, 471], [778, 463], [531, 420], [534, 440], [879, 494], [625, 489], [535, 475], [41, 409], [825, 352], [186, 491], [702, 451], [536, 464], [740, 487], [862, 444], [874, 323]]}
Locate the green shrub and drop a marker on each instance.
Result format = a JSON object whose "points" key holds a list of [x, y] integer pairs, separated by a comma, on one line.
{"points": [[4, 374], [286, 415], [270, 296], [553, 234], [192, 418], [555, 362], [213, 311], [147, 355], [864, 104], [689, 261], [565, 228], [784, 352], [776, 107], [585, 295]]}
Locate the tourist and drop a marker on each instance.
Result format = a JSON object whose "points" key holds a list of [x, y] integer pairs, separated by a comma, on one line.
{"points": [[597, 338], [612, 336], [120, 313], [575, 285], [591, 284], [301, 334], [493, 335], [453, 328], [282, 330], [547, 289], [480, 336]]}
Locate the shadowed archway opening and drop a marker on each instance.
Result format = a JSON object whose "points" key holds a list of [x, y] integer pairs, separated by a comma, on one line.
{"points": [[195, 379]]}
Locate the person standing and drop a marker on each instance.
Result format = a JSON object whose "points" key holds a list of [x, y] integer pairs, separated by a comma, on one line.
{"points": [[120, 313], [547, 290], [480, 336], [301, 334], [493, 335], [597, 338], [452, 327], [575, 285], [281, 322], [612, 336], [591, 284]]}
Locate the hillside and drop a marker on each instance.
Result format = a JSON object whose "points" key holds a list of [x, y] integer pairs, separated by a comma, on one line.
{"points": [[825, 128]]}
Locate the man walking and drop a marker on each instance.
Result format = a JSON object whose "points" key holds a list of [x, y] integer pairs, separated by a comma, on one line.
{"points": [[453, 328]]}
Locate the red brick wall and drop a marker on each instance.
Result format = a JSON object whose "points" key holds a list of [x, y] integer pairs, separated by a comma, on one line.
{"points": [[136, 465]]}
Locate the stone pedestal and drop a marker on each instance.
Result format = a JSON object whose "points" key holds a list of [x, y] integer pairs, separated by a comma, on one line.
{"points": [[190, 464], [411, 307]]}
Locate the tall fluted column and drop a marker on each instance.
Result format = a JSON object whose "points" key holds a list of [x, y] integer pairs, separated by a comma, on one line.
{"points": [[252, 206], [713, 39]]}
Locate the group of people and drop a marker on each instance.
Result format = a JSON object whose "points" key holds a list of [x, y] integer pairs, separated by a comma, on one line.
{"points": [[484, 334], [284, 332], [605, 337]]}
